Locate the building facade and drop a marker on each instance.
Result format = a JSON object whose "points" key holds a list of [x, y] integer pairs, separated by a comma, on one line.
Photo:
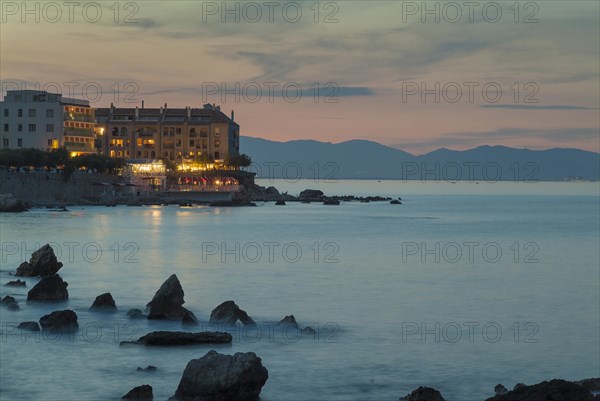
{"points": [[43, 120], [176, 134]]}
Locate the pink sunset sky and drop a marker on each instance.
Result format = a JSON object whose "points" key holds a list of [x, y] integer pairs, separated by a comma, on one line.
{"points": [[372, 61]]}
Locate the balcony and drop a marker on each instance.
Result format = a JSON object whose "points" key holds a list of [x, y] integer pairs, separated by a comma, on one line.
{"points": [[81, 117], [85, 132], [80, 146]]}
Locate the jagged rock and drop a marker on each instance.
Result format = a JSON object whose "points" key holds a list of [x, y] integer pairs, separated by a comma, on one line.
{"points": [[229, 313], [218, 377], [280, 203], [182, 338], [549, 390], [331, 202], [10, 303], [395, 202], [518, 386], [30, 326], [10, 204], [499, 389], [590, 384], [148, 368], [143, 392], [65, 320], [135, 314], [167, 303], [314, 194], [16, 283], [424, 394], [104, 303], [42, 263], [309, 331], [289, 321], [51, 288]]}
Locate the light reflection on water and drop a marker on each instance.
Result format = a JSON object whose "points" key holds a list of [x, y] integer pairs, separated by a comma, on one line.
{"points": [[370, 296]]}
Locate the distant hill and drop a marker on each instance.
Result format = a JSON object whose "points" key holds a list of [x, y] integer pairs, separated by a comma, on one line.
{"points": [[361, 159]]}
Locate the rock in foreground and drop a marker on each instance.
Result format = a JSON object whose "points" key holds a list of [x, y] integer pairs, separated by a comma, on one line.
{"points": [[143, 392], [182, 338], [104, 303], [51, 288], [42, 263], [218, 377], [10, 303], [29, 326], [10, 204], [553, 390], [167, 303], [424, 394], [229, 313], [64, 320]]}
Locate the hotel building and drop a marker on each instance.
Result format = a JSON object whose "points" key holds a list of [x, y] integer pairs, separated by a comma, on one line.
{"points": [[43, 120], [175, 134]]}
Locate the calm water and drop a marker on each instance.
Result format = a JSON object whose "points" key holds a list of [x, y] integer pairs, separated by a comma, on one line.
{"points": [[502, 278]]}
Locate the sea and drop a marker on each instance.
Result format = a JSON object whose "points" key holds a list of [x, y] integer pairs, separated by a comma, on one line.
{"points": [[462, 286]]}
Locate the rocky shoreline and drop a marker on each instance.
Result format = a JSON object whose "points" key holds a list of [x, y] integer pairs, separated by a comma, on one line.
{"points": [[215, 376]]}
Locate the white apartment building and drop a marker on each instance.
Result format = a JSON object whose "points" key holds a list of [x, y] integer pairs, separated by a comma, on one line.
{"points": [[42, 120]]}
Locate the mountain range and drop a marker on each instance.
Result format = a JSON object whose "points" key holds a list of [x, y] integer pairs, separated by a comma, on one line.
{"points": [[362, 159]]}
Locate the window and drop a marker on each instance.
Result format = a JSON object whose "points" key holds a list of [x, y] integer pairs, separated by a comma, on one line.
{"points": [[179, 142], [217, 143], [171, 131], [5, 142], [178, 131], [20, 142], [49, 127], [20, 113], [32, 113], [32, 127], [165, 131], [217, 155], [192, 142], [5, 112], [5, 127], [20, 127], [49, 113], [217, 131]]}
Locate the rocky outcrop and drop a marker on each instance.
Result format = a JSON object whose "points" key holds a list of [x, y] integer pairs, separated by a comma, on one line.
{"points": [[42, 263], [10, 204], [311, 194], [331, 202], [16, 283], [29, 326], [424, 394], [395, 202], [170, 338], [280, 203], [167, 303], [499, 389], [148, 368], [217, 377], [549, 390], [65, 320], [10, 303], [290, 322], [143, 392], [135, 314], [104, 303], [51, 288], [229, 313]]}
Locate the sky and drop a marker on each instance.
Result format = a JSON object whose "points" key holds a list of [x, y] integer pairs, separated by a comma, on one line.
{"points": [[413, 75]]}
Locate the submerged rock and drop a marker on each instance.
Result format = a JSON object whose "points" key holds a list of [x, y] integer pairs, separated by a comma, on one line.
{"points": [[280, 203], [218, 377], [51, 288], [167, 303], [395, 202], [549, 390], [135, 314], [65, 320], [424, 394], [104, 303], [289, 321], [312, 194], [10, 204], [16, 283], [148, 368], [331, 202], [30, 326], [182, 338], [10, 303], [229, 313], [143, 392], [42, 263]]}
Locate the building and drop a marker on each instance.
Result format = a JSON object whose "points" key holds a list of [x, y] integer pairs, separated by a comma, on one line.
{"points": [[43, 120], [147, 174], [176, 134]]}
